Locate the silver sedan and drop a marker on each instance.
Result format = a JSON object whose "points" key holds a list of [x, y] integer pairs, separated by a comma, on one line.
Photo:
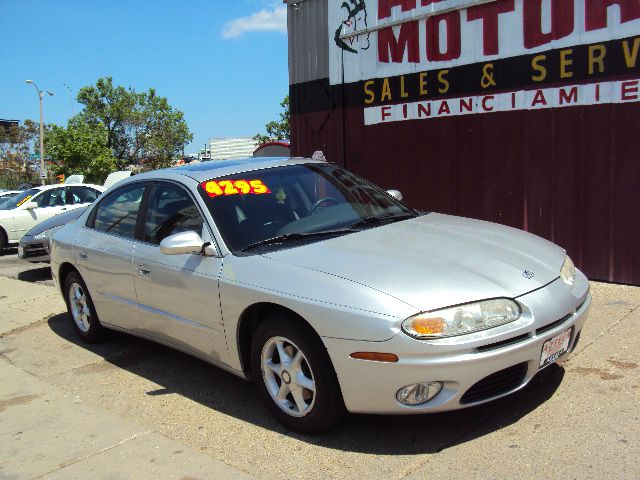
{"points": [[329, 293]]}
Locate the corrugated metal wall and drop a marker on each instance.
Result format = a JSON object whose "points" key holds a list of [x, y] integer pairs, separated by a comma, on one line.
{"points": [[309, 66], [308, 41], [570, 175]]}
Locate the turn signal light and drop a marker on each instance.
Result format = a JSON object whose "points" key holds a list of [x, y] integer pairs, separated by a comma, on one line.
{"points": [[375, 356], [429, 326]]}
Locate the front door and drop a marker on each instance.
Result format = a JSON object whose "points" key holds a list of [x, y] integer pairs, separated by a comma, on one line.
{"points": [[178, 294], [49, 203]]}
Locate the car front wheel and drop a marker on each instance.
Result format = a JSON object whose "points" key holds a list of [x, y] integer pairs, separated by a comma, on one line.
{"points": [[81, 310], [294, 373]]}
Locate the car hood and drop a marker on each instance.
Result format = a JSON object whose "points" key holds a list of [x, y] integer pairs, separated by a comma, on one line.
{"points": [[435, 260], [56, 221]]}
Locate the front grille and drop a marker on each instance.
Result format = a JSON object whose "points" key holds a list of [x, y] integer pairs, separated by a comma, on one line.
{"points": [[503, 343], [36, 250], [553, 325], [496, 384]]}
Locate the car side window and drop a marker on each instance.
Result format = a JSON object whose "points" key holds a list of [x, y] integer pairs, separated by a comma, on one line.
{"points": [[77, 195], [42, 199], [117, 214], [51, 198], [171, 210]]}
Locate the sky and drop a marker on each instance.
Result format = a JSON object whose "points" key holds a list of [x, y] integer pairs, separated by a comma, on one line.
{"points": [[221, 62]]}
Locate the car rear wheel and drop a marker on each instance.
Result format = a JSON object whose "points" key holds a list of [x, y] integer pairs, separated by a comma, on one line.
{"points": [[81, 310], [3, 242], [293, 372]]}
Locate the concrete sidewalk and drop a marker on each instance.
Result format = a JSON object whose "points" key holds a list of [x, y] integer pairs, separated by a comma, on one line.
{"points": [[130, 408], [46, 432], [22, 304]]}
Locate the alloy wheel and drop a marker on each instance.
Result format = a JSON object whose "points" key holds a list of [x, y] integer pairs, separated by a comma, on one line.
{"points": [[79, 307], [288, 376]]}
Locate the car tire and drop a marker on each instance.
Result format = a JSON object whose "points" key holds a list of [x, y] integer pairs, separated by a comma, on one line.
{"points": [[3, 242], [302, 391], [82, 313]]}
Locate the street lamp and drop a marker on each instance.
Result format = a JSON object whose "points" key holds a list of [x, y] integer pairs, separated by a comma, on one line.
{"points": [[41, 96]]}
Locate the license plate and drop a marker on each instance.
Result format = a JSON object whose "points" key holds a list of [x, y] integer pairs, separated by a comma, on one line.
{"points": [[555, 347], [20, 251]]}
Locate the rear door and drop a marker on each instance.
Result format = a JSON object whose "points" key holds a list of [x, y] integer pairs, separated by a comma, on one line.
{"points": [[178, 294], [104, 251]]}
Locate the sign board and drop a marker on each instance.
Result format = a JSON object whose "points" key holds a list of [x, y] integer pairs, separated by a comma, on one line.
{"points": [[408, 56]]}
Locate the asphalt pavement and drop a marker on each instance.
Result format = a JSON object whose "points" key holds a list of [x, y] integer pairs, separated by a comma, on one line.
{"points": [[129, 408]]}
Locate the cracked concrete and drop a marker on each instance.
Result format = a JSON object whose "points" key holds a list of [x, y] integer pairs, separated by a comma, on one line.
{"points": [[569, 423]]}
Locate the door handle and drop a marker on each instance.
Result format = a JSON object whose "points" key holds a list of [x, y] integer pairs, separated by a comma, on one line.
{"points": [[143, 271]]}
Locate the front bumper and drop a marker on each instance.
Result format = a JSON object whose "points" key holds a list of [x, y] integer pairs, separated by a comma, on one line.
{"points": [[509, 354], [33, 250]]}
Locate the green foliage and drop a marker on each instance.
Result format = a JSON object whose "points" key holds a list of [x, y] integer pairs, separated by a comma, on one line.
{"points": [[10, 180], [279, 129], [117, 127], [141, 128], [80, 148], [15, 144]]}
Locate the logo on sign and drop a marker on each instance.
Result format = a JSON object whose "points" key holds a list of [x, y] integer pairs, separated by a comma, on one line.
{"points": [[353, 22]]}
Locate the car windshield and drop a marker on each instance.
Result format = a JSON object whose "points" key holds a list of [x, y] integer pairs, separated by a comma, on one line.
{"points": [[18, 200], [296, 202]]}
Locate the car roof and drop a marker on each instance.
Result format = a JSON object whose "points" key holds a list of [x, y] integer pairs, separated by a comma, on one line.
{"points": [[222, 168], [56, 185]]}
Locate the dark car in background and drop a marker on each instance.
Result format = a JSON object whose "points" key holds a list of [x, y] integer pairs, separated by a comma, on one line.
{"points": [[34, 245]]}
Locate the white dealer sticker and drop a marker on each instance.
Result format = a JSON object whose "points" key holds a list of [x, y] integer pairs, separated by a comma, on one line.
{"points": [[555, 347]]}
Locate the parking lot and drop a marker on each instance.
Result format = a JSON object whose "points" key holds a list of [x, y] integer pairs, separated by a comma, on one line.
{"points": [[71, 410]]}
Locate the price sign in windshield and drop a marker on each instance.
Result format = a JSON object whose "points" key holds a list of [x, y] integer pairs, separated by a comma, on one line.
{"points": [[217, 188]]}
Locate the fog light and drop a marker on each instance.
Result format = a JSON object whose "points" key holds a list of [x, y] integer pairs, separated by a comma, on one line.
{"points": [[418, 393]]}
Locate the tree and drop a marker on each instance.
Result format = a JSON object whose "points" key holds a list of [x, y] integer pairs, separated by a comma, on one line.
{"points": [[80, 148], [159, 133], [279, 129], [140, 127], [15, 144]]}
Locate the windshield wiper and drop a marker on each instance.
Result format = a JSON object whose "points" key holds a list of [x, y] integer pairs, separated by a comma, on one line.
{"points": [[377, 220], [302, 235], [292, 236]]}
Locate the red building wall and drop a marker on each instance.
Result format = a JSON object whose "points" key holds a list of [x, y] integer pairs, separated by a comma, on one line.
{"points": [[570, 174]]}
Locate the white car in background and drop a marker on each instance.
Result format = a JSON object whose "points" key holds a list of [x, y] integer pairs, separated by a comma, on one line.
{"points": [[20, 213], [7, 194]]}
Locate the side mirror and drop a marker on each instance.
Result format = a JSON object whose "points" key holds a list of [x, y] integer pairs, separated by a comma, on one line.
{"points": [[30, 205], [182, 243], [395, 194]]}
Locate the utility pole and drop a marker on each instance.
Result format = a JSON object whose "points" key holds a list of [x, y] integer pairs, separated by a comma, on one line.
{"points": [[43, 174]]}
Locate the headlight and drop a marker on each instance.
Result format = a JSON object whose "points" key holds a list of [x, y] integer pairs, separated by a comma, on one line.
{"points": [[568, 272], [46, 233], [462, 319]]}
